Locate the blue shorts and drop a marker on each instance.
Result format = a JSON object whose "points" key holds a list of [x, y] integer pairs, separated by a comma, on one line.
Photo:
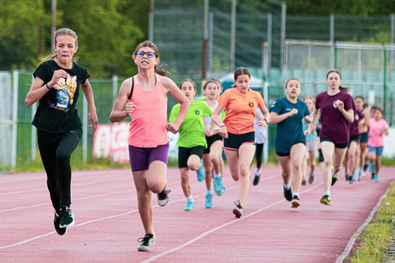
{"points": [[141, 158], [377, 150], [234, 141]]}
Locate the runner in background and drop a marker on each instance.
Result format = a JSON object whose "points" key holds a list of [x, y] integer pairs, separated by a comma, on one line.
{"points": [[363, 128], [260, 140], [148, 131], [337, 112], [378, 128], [237, 129], [191, 140], [311, 144], [290, 140]]}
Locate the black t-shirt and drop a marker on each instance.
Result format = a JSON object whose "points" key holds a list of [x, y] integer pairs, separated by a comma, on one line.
{"points": [[56, 112]]}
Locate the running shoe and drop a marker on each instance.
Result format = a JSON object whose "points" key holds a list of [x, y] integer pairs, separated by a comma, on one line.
{"points": [[257, 177], [360, 175], [334, 177], [365, 167], [376, 178], [146, 242], [372, 176], [218, 185], [201, 174], [222, 192], [163, 197], [238, 210], [311, 178], [209, 201], [371, 167], [288, 194], [326, 200], [189, 206], [295, 202], [56, 223], [304, 181], [66, 217]]}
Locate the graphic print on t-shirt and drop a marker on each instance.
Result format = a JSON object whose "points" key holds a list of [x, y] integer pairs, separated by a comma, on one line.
{"points": [[65, 91]]}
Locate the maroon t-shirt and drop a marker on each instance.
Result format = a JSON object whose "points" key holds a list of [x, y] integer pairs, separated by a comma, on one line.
{"points": [[334, 125], [358, 115]]}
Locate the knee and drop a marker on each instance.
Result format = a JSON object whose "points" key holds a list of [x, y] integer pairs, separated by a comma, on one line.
{"points": [[156, 187], [328, 162], [214, 160], [184, 179], [297, 165], [194, 167], [244, 171], [143, 198], [62, 156]]}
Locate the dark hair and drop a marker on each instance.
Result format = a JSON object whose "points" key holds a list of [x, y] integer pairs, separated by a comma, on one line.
{"points": [[210, 81], [188, 80], [345, 89], [62, 32], [379, 109], [150, 44], [359, 97], [286, 84], [240, 71]]}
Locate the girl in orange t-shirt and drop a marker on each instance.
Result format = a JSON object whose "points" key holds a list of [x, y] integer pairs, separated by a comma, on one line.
{"points": [[148, 145], [237, 129]]}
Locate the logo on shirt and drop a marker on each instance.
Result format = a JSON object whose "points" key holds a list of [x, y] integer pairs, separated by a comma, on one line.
{"points": [[251, 104], [334, 105], [288, 109], [356, 117], [274, 104], [197, 112]]}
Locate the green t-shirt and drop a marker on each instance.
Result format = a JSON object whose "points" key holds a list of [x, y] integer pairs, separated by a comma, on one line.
{"points": [[191, 133]]}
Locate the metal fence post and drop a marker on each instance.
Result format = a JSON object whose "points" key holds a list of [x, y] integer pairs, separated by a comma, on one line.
{"points": [[283, 23], [392, 40], [332, 38], [151, 21], [233, 37], [114, 88], [34, 131], [15, 82], [85, 131], [269, 42]]}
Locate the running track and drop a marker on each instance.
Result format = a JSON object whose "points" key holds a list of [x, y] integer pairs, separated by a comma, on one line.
{"points": [[108, 224]]}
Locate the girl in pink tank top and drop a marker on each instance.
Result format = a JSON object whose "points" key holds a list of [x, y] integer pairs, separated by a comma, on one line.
{"points": [[144, 98]]}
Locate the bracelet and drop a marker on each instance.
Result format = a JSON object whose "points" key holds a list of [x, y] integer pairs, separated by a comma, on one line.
{"points": [[222, 126], [46, 84]]}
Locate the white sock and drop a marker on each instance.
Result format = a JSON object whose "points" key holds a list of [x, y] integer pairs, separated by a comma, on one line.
{"points": [[295, 193], [287, 186], [217, 175], [209, 191], [328, 193], [190, 198]]}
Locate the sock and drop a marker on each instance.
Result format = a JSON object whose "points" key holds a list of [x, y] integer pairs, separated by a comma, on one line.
{"points": [[153, 234], [328, 193], [190, 198], [217, 175], [209, 191], [287, 186], [295, 193]]}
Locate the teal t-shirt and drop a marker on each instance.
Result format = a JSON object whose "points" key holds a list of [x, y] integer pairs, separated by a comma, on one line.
{"points": [[191, 133], [311, 136]]}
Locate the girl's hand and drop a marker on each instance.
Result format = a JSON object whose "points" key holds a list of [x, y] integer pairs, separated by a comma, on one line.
{"points": [[308, 118], [208, 133], [57, 74], [307, 132], [340, 105], [173, 127], [293, 112], [223, 132], [129, 108], [262, 123]]}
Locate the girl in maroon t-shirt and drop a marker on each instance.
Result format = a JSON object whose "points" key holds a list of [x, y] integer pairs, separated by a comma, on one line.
{"points": [[337, 112]]}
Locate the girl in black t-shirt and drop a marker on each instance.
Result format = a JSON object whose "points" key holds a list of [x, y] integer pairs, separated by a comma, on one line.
{"points": [[56, 86]]}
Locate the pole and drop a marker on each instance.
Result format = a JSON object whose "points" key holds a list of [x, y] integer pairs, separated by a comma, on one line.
{"points": [[210, 43], [385, 84], [53, 28], [332, 38], [233, 37], [283, 23], [392, 41], [205, 44], [151, 21], [15, 83], [269, 42], [392, 109]]}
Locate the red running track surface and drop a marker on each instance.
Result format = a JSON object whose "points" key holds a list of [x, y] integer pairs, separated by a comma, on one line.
{"points": [[108, 224]]}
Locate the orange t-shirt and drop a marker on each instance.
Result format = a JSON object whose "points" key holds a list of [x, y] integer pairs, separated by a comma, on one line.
{"points": [[240, 109], [149, 119]]}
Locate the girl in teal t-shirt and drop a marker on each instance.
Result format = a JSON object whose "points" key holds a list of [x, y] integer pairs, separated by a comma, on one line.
{"points": [[191, 140]]}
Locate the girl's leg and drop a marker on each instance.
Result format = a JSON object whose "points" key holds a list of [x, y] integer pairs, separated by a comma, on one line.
{"points": [[144, 200], [298, 151], [246, 155], [328, 149], [378, 164], [304, 168], [233, 162], [186, 186], [312, 161], [286, 167], [156, 176], [208, 168], [215, 156], [258, 155], [351, 156], [193, 162]]}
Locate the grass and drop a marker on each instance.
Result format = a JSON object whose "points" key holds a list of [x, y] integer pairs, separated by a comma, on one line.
{"points": [[378, 233]]}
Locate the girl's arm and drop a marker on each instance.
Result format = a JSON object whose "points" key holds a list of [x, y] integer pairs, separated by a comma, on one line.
{"points": [[312, 125], [384, 131], [275, 118], [217, 120], [92, 116], [266, 117], [348, 115], [118, 114], [172, 88]]}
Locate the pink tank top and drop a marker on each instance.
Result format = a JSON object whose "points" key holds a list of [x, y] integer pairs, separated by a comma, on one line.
{"points": [[149, 118]]}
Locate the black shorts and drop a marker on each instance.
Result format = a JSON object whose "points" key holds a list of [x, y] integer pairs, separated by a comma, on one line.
{"points": [[210, 140], [364, 137], [234, 141], [318, 132], [184, 153], [289, 153], [356, 138], [337, 145]]}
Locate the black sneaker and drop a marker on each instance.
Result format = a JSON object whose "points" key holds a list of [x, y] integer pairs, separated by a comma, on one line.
{"points": [[238, 210], [365, 167], [256, 180], [326, 200], [372, 176], [334, 177], [56, 223], [295, 202], [146, 242], [288, 194], [163, 197], [66, 217]]}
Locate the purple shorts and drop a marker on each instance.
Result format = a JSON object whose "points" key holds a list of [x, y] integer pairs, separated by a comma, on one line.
{"points": [[141, 158]]}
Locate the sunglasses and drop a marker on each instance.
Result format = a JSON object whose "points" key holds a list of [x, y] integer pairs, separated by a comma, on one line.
{"points": [[142, 53]]}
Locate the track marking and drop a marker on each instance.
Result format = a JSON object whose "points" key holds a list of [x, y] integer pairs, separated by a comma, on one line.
{"points": [[359, 230], [217, 228]]}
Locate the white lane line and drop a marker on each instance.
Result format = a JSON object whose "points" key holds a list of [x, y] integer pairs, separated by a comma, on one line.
{"points": [[359, 230], [217, 228]]}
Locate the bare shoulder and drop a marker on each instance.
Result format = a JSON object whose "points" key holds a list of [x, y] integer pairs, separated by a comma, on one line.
{"points": [[168, 83]]}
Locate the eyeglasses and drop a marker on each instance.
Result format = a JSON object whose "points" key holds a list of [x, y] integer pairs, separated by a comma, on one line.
{"points": [[142, 53]]}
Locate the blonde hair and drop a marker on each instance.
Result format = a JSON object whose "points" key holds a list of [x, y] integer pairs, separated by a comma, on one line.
{"points": [[62, 32], [309, 98]]}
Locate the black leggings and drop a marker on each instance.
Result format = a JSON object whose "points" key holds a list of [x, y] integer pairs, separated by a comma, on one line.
{"points": [[258, 155], [55, 150]]}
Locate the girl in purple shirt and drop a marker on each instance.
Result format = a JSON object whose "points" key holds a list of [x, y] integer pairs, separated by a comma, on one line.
{"points": [[337, 112]]}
